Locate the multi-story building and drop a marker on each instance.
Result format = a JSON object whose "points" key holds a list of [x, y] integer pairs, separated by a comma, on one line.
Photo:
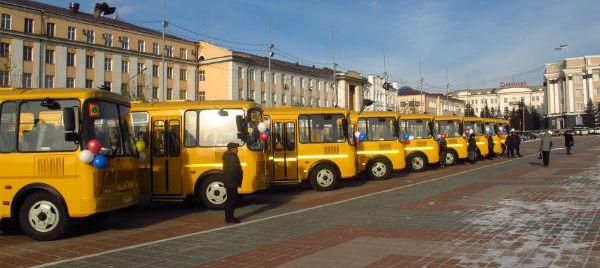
{"points": [[410, 100], [228, 74], [571, 84], [503, 99], [52, 47], [381, 92]]}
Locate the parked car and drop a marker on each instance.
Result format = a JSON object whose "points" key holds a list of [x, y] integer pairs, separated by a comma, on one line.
{"points": [[577, 130], [597, 130]]}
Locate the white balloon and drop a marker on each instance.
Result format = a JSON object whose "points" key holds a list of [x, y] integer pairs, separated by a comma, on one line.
{"points": [[86, 156], [142, 156], [411, 137], [262, 127], [357, 134]]}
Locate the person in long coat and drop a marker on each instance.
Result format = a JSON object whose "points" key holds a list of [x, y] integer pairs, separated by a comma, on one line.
{"points": [[516, 143], [472, 149], [545, 148], [232, 176], [510, 150], [569, 141]]}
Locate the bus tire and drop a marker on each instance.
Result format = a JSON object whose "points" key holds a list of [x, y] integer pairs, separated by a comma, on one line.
{"points": [[324, 177], [213, 193], [43, 217], [417, 162], [451, 158], [379, 169]]}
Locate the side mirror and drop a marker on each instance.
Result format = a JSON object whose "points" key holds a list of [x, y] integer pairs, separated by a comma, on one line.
{"points": [[345, 127], [366, 103], [69, 119], [396, 129], [241, 128]]}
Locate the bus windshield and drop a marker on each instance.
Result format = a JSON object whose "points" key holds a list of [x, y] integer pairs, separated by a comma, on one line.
{"points": [[254, 118], [417, 128], [450, 128], [477, 127], [321, 128], [377, 128], [108, 123]]}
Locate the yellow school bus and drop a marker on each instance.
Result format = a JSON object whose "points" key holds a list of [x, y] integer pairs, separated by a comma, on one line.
{"points": [[186, 141], [47, 177], [457, 145], [491, 127], [311, 144], [475, 124], [382, 151], [421, 149]]}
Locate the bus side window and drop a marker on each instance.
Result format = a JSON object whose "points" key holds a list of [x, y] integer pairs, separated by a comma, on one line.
{"points": [[158, 138], [290, 138], [277, 137], [174, 141], [8, 123]]}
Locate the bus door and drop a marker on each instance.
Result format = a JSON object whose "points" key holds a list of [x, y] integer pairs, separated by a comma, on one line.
{"points": [[285, 151], [166, 160]]}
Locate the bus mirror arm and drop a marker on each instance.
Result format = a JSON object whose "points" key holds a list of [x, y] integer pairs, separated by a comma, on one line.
{"points": [[69, 120]]}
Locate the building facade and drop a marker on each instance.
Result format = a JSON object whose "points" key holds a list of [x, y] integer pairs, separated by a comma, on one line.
{"points": [[44, 46], [381, 92], [503, 99], [226, 74], [571, 84], [410, 101]]}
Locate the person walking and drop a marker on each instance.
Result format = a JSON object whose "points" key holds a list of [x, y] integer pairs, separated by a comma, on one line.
{"points": [[472, 149], [490, 146], [569, 141], [232, 175], [516, 143], [443, 150], [546, 147], [510, 150]]}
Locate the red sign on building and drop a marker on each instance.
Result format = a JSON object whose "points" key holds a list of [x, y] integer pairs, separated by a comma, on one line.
{"points": [[513, 84]]}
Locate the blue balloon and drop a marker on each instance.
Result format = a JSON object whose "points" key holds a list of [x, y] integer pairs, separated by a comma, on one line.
{"points": [[362, 137], [268, 131], [405, 136], [100, 161]]}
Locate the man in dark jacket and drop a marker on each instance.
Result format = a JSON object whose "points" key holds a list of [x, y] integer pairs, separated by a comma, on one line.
{"points": [[232, 175], [443, 150], [490, 146], [510, 150], [569, 141], [516, 143], [472, 149]]}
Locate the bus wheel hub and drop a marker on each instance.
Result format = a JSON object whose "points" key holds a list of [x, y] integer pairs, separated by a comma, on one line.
{"points": [[215, 192], [43, 216], [379, 169], [325, 177]]}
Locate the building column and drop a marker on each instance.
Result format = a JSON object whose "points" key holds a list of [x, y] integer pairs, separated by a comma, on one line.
{"points": [[99, 69], [117, 61], [176, 80], [16, 63], [162, 81], [585, 91], [80, 68], [148, 79], [550, 97], [557, 100], [570, 92], [132, 83], [38, 62], [590, 86], [60, 68]]}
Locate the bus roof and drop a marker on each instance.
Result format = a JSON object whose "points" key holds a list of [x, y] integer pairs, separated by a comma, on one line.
{"points": [[290, 110], [471, 119], [191, 105], [490, 120], [448, 117], [503, 121], [416, 116], [374, 114], [61, 93]]}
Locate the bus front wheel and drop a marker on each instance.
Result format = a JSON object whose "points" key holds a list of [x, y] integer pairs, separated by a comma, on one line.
{"points": [[417, 162], [451, 158], [213, 192], [324, 177], [43, 217]]}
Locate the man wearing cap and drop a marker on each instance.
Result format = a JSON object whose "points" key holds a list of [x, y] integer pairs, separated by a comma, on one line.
{"points": [[232, 175]]}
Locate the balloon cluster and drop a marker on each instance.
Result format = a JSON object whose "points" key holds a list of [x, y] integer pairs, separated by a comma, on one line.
{"points": [[468, 132], [359, 137], [264, 131], [406, 138], [140, 146], [92, 154], [442, 136]]}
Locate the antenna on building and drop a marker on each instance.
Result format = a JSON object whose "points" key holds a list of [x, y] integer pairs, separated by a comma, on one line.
{"points": [[420, 77], [335, 85], [269, 56], [164, 47]]}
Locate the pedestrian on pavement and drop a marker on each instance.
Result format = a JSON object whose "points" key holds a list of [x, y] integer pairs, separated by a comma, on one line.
{"points": [[569, 141], [510, 150], [546, 147], [472, 149], [232, 175], [516, 143], [443, 150], [490, 146]]}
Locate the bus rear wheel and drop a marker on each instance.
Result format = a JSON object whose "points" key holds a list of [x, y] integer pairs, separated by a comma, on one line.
{"points": [[379, 169], [213, 193], [43, 217], [451, 158], [417, 162], [324, 177]]}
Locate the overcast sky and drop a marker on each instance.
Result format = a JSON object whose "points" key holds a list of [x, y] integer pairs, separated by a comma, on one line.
{"points": [[482, 42]]}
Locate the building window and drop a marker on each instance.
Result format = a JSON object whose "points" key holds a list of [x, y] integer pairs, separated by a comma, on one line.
{"points": [[26, 83], [70, 59], [28, 26], [27, 53], [141, 46], [154, 70], [577, 93], [108, 64], [4, 49], [50, 29], [274, 78], [49, 81], [49, 56], [182, 95], [71, 33], [578, 106], [169, 73], [89, 62], [124, 42], [182, 74], [598, 91], [293, 81], [201, 75], [140, 92], [140, 68], [183, 53], [169, 51], [263, 98], [108, 39], [125, 67], [240, 73], [201, 95], [70, 82], [3, 78], [595, 77], [263, 76], [251, 74], [90, 36], [6, 19], [155, 92], [251, 94], [240, 94], [577, 79], [89, 83], [155, 48]]}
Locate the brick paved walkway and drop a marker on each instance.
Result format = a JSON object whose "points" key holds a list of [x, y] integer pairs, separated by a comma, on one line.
{"points": [[505, 214]]}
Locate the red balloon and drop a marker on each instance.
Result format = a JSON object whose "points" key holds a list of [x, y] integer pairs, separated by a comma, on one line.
{"points": [[94, 146], [357, 141], [264, 136], [443, 136]]}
